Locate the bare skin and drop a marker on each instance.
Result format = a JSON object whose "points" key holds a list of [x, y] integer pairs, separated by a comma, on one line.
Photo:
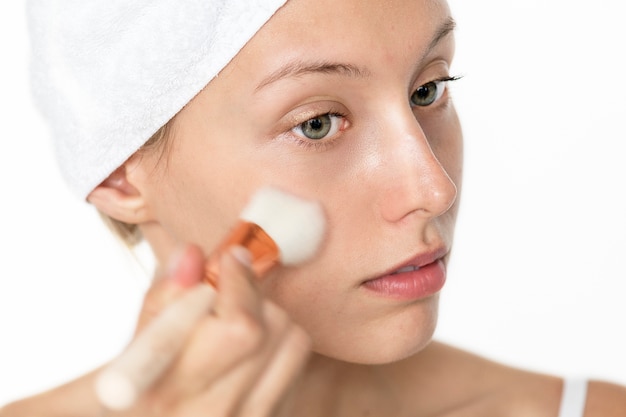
{"points": [[313, 340]]}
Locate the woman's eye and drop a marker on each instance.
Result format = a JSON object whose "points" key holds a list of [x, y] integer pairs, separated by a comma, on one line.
{"points": [[427, 94], [320, 127]]}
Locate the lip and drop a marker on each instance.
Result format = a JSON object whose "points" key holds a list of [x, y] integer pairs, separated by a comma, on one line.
{"points": [[412, 284]]}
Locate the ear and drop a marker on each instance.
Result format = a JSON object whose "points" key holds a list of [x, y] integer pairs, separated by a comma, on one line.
{"points": [[118, 198]]}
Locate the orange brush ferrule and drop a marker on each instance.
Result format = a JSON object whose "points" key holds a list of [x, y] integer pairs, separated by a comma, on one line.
{"points": [[263, 251]]}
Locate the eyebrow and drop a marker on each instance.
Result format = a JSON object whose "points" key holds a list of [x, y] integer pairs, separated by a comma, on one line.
{"points": [[298, 68], [442, 31]]}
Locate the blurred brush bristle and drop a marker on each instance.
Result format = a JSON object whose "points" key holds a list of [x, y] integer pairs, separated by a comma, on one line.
{"points": [[295, 224]]}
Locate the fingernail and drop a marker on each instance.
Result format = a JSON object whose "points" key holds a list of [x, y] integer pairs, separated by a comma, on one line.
{"points": [[242, 255]]}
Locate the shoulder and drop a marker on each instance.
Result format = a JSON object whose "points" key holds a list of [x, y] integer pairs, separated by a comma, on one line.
{"points": [[479, 386], [471, 385], [605, 400]]}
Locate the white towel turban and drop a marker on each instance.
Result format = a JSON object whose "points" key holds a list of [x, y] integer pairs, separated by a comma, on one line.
{"points": [[107, 74]]}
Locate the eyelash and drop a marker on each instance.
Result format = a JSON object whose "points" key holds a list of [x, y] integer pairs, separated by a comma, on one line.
{"points": [[448, 78]]}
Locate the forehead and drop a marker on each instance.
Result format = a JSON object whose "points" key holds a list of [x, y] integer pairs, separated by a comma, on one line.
{"points": [[344, 30], [378, 20]]}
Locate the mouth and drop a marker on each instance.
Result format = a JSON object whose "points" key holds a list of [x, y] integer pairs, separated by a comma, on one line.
{"points": [[415, 262], [420, 277], [408, 268]]}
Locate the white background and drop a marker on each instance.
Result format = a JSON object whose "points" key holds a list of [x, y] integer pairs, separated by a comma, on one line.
{"points": [[538, 279]]}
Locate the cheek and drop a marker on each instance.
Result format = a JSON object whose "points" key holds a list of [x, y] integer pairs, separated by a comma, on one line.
{"points": [[348, 326], [197, 198]]}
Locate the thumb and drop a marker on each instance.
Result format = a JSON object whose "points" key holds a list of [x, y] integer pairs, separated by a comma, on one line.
{"points": [[186, 269]]}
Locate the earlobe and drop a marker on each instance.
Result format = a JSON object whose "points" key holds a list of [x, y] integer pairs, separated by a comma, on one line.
{"points": [[118, 198]]}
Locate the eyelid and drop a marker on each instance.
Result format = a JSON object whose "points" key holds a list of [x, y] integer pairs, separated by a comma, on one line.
{"points": [[308, 111]]}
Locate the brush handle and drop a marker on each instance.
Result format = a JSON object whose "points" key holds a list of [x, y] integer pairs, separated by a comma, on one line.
{"points": [[119, 385]]}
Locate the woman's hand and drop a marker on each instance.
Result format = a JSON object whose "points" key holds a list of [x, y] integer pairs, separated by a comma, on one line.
{"points": [[240, 359]]}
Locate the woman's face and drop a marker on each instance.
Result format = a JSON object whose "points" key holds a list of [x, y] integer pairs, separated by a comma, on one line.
{"points": [[338, 102]]}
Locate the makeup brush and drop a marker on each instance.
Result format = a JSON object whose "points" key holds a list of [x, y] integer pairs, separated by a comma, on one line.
{"points": [[276, 227]]}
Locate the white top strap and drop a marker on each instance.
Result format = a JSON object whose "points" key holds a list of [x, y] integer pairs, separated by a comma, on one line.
{"points": [[573, 398]]}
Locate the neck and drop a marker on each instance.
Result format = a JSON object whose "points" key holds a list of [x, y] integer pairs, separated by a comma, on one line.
{"points": [[329, 387]]}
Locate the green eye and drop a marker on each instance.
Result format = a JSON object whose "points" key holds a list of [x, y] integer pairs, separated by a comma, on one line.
{"points": [[319, 127], [427, 94]]}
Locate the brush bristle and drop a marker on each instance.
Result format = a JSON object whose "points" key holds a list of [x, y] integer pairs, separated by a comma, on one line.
{"points": [[296, 225]]}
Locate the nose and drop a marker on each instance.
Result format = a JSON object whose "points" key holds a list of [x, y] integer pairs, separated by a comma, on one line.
{"points": [[414, 182]]}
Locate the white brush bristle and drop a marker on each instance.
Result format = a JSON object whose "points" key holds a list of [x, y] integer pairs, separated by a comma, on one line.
{"points": [[296, 225]]}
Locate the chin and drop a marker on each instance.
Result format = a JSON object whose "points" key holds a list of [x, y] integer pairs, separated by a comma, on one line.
{"points": [[387, 340]]}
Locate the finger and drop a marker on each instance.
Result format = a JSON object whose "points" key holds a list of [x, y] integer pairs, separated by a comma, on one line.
{"points": [[226, 357], [221, 340], [286, 364], [188, 270], [222, 394], [184, 271], [257, 382], [237, 294]]}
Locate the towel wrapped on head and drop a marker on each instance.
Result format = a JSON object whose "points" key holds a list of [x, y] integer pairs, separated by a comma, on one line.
{"points": [[107, 74]]}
